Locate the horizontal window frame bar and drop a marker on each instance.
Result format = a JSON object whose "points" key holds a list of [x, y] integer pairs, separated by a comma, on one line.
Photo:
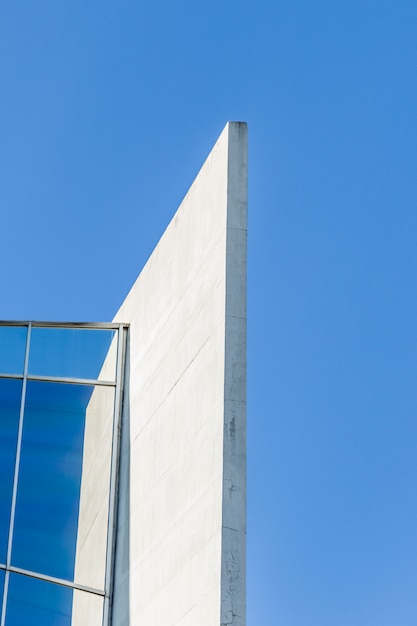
{"points": [[51, 579], [87, 325], [91, 382]]}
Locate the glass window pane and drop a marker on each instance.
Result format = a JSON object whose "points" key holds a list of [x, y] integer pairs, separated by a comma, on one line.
{"points": [[38, 603], [90, 557], [49, 478], [12, 349], [73, 353], [62, 424], [10, 397], [2, 573]]}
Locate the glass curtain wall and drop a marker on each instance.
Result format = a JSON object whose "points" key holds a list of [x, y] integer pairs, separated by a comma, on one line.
{"points": [[60, 405]]}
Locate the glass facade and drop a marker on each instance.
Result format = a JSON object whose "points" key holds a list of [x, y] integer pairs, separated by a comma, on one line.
{"points": [[60, 405]]}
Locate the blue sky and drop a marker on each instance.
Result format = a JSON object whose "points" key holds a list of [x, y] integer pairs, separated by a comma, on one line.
{"points": [[107, 111]]}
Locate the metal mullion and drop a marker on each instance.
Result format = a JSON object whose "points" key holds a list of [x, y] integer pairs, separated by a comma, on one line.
{"points": [[47, 324], [56, 581], [16, 474], [14, 376], [112, 521], [5, 593], [18, 448], [72, 381], [75, 325]]}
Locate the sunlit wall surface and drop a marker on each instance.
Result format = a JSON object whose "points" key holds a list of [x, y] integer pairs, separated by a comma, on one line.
{"points": [[60, 390]]}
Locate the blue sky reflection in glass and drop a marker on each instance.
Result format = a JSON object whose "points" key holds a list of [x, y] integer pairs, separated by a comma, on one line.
{"points": [[38, 603], [10, 399], [48, 492], [12, 349], [72, 352], [2, 574]]}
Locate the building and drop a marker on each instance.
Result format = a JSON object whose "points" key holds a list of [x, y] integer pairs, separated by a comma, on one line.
{"points": [[123, 445]]}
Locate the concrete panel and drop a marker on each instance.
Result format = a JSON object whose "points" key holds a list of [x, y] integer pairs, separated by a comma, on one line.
{"points": [[87, 608], [180, 552]]}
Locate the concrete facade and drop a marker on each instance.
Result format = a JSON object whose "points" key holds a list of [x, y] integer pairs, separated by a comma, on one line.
{"points": [[181, 536]]}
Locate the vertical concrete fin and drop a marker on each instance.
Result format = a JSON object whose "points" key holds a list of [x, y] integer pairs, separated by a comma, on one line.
{"points": [[182, 470], [233, 585]]}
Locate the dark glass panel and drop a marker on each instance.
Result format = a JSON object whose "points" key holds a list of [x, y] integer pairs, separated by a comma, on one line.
{"points": [[10, 398], [2, 574], [63, 487], [49, 478], [73, 353], [12, 349], [37, 603]]}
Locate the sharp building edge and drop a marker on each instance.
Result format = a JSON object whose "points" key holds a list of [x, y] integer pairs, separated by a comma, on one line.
{"points": [[181, 530]]}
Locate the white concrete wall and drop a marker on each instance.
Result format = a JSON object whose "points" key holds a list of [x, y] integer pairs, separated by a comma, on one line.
{"points": [[180, 554]]}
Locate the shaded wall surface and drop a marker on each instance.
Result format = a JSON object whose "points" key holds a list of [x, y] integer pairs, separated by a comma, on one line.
{"points": [[180, 553]]}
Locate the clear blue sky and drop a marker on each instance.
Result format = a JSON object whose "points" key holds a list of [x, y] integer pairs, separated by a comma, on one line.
{"points": [[107, 111]]}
